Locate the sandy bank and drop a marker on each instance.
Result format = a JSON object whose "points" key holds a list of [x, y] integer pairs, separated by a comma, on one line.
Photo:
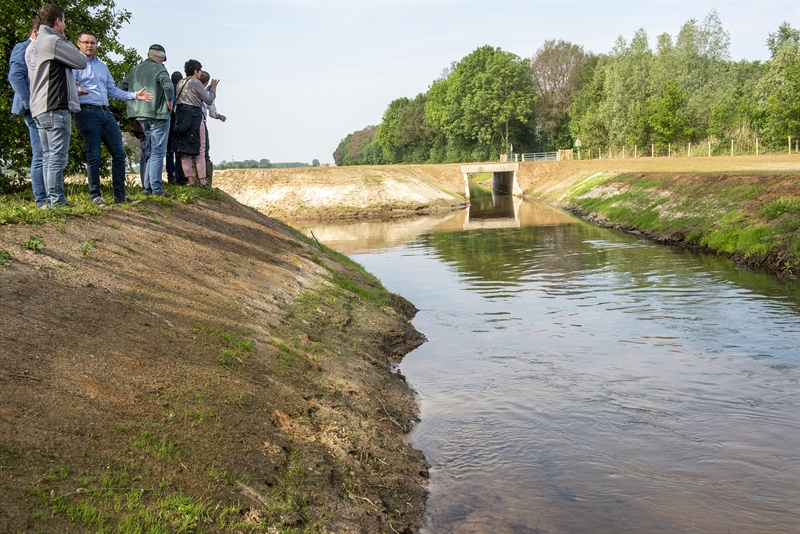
{"points": [[346, 192]]}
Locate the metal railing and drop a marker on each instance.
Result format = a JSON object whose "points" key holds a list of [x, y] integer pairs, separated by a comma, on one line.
{"points": [[540, 156]]}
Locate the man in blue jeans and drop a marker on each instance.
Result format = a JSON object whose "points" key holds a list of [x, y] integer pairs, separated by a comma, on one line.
{"points": [[54, 96], [95, 121], [153, 115], [21, 105]]}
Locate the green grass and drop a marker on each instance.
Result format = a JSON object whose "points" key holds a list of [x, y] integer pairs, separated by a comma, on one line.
{"points": [[85, 247], [19, 207], [34, 244], [776, 208], [716, 221], [162, 447]]}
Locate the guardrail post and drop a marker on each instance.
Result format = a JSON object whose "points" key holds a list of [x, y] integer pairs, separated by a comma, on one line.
{"points": [[756, 146], [731, 147]]}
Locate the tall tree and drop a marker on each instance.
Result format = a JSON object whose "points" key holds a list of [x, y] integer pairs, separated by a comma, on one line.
{"points": [[784, 34], [485, 93], [556, 71], [779, 92], [360, 148]]}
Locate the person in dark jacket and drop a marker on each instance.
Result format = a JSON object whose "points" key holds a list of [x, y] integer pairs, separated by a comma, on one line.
{"points": [[54, 96], [21, 105], [153, 115], [174, 168], [189, 128]]}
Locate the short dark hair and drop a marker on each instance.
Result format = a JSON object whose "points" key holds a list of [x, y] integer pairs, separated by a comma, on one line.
{"points": [[49, 14], [87, 32], [191, 66], [35, 23], [176, 77], [204, 77]]}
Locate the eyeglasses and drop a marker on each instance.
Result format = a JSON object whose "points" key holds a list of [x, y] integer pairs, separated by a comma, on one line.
{"points": [[89, 43]]}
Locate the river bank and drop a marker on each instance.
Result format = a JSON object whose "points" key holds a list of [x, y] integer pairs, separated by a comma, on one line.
{"points": [[745, 207], [194, 365]]}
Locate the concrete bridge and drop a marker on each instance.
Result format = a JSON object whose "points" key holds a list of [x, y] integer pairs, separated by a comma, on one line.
{"points": [[504, 177]]}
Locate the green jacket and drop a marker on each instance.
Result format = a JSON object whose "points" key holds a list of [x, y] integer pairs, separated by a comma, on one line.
{"points": [[154, 76]]}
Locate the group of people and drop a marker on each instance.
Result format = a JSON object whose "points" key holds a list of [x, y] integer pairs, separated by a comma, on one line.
{"points": [[53, 80]]}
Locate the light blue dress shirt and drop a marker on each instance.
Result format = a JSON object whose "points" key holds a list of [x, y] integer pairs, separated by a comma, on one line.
{"points": [[97, 80]]}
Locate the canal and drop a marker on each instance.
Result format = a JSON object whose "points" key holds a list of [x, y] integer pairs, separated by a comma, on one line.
{"points": [[577, 379]]}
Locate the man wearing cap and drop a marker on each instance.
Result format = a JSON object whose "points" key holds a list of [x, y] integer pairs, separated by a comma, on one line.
{"points": [[53, 96], [153, 115], [95, 121]]}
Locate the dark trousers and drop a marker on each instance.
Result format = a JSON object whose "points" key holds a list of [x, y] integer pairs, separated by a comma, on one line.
{"points": [[174, 169], [99, 126]]}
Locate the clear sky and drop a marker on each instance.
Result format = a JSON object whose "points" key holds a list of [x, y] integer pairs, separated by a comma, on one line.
{"points": [[298, 76]]}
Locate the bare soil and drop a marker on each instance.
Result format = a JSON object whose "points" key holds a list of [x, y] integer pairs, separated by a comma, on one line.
{"points": [[346, 192], [200, 367]]}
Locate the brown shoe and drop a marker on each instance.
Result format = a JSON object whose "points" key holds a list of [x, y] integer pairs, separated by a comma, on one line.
{"points": [[163, 194]]}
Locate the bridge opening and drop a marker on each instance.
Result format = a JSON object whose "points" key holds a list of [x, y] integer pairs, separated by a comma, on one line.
{"points": [[504, 177]]}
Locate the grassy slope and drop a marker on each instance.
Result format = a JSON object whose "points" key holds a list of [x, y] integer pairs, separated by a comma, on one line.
{"points": [[746, 208], [190, 365]]}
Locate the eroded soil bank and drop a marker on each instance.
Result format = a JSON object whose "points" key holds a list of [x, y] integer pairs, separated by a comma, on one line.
{"points": [[173, 367], [346, 192]]}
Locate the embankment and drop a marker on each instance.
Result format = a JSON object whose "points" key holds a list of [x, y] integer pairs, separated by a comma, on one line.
{"points": [[744, 206], [196, 366], [747, 208], [346, 192]]}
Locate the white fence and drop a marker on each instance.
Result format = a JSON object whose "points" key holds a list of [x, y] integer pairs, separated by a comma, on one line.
{"points": [[539, 156]]}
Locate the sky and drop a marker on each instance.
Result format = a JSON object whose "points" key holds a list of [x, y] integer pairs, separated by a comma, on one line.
{"points": [[297, 76]]}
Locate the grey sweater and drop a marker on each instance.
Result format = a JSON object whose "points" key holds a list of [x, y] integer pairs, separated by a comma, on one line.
{"points": [[191, 92], [50, 59]]}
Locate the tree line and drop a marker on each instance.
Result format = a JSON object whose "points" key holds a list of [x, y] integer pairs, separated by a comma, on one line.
{"points": [[686, 90], [264, 164]]}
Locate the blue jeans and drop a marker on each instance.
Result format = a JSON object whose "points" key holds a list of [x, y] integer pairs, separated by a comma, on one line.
{"points": [[156, 133], [37, 159], [54, 129], [99, 125]]}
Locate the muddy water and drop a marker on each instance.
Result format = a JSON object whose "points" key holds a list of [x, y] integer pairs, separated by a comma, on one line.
{"points": [[580, 380]]}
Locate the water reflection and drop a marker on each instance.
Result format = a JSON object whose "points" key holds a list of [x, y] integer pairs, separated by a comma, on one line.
{"points": [[580, 380], [486, 210]]}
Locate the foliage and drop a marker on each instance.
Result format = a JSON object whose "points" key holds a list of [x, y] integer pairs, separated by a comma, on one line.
{"points": [[261, 164], [557, 68], [360, 148], [778, 95], [685, 90], [34, 244], [477, 103], [103, 18]]}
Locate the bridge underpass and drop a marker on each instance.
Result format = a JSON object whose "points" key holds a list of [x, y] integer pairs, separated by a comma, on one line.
{"points": [[504, 177]]}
